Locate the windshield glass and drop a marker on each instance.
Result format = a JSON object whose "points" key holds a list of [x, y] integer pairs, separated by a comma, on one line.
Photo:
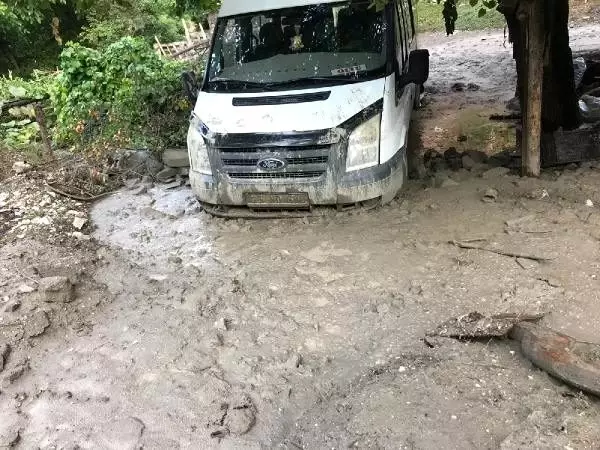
{"points": [[315, 43]]}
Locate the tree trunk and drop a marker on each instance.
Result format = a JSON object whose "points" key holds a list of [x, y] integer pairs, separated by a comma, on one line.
{"points": [[532, 118]]}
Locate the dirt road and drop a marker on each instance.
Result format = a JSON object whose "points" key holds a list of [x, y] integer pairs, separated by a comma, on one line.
{"points": [[193, 332]]}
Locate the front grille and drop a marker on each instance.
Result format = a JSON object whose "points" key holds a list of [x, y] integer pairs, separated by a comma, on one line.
{"points": [[303, 162], [291, 161], [276, 175], [292, 148]]}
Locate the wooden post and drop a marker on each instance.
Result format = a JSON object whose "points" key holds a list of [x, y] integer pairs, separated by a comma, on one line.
{"points": [[188, 36], [532, 119], [40, 118], [204, 36], [161, 50]]}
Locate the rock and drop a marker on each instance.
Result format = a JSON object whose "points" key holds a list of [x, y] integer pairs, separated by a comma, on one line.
{"points": [[240, 421], [176, 158], [36, 324], [139, 162], [25, 289], [496, 172], [221, 325], [79, 223], [4, 353], [468, 163], [172, 185], [477, 156], [47, 221], [458, 87], [472, 87], [589, 203], [241, 416], [167, 174], [21, 167], [490, 196], [453, 158], [294, 361], [16, 372], [57, 290], [13, 306]]}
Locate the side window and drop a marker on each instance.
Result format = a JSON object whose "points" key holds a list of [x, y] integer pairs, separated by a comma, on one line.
{"points": [[408, 25], [411, 18], [401, 42]]}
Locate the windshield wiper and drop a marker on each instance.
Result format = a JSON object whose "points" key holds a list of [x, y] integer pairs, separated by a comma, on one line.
{"points": [[320, 79], [241, 84]]}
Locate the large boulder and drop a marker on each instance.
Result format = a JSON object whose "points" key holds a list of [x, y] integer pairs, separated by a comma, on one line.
{"points": [[139, 163], [176, 158]]}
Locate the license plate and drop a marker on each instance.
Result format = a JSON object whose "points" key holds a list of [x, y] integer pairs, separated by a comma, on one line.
{"points": [[295, 200]]}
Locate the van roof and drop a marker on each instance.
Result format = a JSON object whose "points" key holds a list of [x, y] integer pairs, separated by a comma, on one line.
{"points": [[237, 7]]}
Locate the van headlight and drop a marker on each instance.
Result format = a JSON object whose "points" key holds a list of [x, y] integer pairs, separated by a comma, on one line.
{"points": [[199, 160], [363, 145]]}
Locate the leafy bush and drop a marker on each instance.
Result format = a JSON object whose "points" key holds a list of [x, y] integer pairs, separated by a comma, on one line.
{"points": [[107, 23], [18, 128], [125, 95]]}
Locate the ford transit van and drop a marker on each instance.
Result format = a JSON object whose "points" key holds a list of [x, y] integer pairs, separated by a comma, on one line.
{"points": [[305, 104]]}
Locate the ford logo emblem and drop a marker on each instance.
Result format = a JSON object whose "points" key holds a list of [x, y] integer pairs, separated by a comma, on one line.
{"points": [[271, 164]]}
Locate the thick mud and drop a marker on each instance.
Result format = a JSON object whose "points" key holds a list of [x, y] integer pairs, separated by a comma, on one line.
{"points": [[194, 332]]}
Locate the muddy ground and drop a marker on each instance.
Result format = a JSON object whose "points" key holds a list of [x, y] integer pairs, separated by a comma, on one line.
{"points": [[188, 331]]}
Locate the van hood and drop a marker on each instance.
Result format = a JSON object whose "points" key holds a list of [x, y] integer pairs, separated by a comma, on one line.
{"points": [[218, 113]]}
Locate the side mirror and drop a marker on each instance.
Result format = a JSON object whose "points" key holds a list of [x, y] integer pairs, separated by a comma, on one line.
{"points": [[190, 86], [418, 68]]}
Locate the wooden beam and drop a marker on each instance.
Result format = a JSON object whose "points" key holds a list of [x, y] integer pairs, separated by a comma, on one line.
{"points": [[532, 119]]}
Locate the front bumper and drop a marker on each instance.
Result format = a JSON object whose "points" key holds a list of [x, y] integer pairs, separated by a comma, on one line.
{"points": [[332, 188], [309, 169]]}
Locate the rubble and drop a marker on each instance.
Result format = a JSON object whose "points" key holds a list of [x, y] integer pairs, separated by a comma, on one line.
{"points": [[30, 208], [57, 290]]}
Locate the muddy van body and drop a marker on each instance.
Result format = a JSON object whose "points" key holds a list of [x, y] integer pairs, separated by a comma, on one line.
{"points": [[305, 104]]}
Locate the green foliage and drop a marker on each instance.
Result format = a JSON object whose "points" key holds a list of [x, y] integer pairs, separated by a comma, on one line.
{"points": [[429, 17], [196, 8], [107, 23], [114, 97], [18, 128]]}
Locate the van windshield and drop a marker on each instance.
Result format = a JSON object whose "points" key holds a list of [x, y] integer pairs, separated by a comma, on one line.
{"points": [[306, 45]]}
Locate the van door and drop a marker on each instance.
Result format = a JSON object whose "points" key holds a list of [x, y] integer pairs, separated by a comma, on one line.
{"points": [[405, 95]]}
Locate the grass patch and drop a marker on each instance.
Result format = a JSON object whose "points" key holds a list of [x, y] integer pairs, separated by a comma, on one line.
{"points": [[430, 19]]}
